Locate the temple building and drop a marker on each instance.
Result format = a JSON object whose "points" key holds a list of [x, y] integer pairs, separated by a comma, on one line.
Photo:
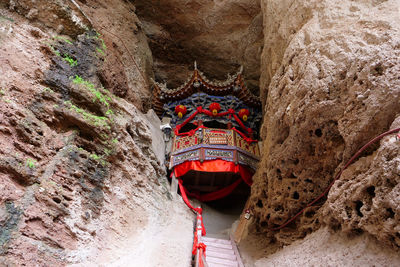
{"points": [[213, 149]]}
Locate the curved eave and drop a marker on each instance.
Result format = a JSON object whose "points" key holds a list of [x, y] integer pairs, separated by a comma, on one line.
{"points": [[162, 95]]}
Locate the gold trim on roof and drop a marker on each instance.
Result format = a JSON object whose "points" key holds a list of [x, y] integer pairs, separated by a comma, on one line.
{"points": [[198, 82]]}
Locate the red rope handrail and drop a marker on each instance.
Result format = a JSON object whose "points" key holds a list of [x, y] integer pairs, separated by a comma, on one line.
{"points": [[247, 139], [196, 245], [186, 200], [337, 177], [199, 246]]}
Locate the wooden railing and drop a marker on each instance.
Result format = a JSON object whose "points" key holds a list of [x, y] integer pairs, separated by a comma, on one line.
{"points": [[209, 144]]}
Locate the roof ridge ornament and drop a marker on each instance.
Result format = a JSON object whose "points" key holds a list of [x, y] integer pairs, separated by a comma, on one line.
{"points": [[160, 85], [198, 82]]}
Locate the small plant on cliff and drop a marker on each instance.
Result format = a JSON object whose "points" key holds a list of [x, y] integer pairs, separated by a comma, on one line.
{"points": [[114, 141], [109, 112], [55, 51], [102, 48], [101, 52], [72, 62], [99, 96], [6, 18], [98, 158], [107, 152], [103, 44], [3, 96], [92, 119], [47, 90], [95, 156], [31, 163], [62, 39]]}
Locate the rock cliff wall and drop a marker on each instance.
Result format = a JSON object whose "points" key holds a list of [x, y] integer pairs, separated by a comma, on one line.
{"points": [[82, 178], [81, 170], [329, 82], [327, 248], [220, 35]]}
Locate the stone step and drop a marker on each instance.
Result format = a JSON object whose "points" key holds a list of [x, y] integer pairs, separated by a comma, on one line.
{"points": [[216, 240], [219, 265], [220, 250], [222, 255], [221, 262], [217, 245]]}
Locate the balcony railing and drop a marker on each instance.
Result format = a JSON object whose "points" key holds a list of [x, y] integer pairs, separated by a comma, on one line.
{"points": [[211, 144]]}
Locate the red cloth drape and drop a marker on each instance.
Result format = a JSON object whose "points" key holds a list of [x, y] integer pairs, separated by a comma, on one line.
{"points": [[217, 165], [217, 194], [186, 200]]}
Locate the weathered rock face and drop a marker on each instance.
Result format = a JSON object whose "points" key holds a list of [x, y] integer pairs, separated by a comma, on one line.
{"points": [[367, 196], [62, 17], [128, 71], [327, 248], [130, 65], [330, 82], [220, 35], [81, 168], [79, 175]]}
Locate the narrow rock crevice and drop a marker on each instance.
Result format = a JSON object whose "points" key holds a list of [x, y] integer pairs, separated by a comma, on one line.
{"points": [[82, 171], [220, 35]]}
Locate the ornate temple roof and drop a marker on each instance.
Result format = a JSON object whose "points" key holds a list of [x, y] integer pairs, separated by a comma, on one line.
{"points": [[197, 82]]}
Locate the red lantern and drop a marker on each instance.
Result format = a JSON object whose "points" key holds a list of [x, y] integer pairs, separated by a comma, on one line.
{"points": [[180, 110], [214, 108], [244, 114]]}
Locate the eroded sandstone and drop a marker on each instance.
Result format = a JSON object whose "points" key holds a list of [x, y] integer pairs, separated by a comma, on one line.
{"points": [[330, 83], [81, 168], [79, 175], [367, 196]]}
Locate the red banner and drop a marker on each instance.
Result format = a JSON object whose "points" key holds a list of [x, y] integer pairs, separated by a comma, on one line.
{"points": [[217, 165]]}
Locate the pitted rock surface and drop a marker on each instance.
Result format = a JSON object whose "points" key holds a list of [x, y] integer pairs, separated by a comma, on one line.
{"points": [[82, 179], [332, 86], [368, 194]]}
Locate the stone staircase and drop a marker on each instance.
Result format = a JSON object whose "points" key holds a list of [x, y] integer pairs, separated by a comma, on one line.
{"points": [[221, 252]]}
